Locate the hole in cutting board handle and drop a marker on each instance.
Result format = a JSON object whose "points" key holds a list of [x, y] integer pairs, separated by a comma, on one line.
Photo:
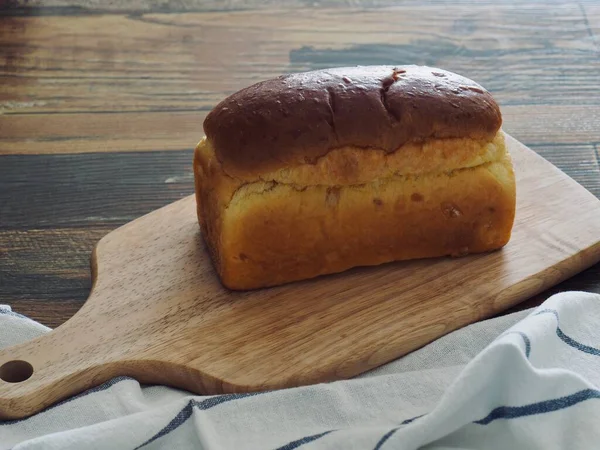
{"points": [[15, 371]]}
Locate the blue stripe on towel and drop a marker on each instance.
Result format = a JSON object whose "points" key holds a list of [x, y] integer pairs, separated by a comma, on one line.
{"points": [[578, 345], [546, 406], [177, 421], [308, 439], [566, 339], [385, 437], [183, 415], [217, 400], [305, 440], [407, 421]]}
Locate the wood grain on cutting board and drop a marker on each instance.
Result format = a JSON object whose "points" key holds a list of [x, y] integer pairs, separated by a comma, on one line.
{"points": [[157, 311]]}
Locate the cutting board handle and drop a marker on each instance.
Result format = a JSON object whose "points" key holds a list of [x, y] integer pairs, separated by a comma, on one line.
{"points": [[37, 373], [80, 355]]}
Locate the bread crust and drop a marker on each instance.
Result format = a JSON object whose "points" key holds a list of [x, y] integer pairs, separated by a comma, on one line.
{"points": [[298, 118]]}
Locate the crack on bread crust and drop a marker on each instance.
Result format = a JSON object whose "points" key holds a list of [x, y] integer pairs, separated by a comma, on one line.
{"points": [[386, 84], [331, 104]]}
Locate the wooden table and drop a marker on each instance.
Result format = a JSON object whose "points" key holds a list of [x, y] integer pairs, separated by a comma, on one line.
{"points": [[100, 109]]}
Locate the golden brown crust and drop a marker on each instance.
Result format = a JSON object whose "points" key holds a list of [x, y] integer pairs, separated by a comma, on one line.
{"points": [[299, 118], [264, 233]]}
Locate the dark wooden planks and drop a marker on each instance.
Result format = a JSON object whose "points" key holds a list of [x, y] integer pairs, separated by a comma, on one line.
{"points": [[93, 132], [45, 274], [553, 125], [526, 53], [49, 191], [580, 162]]}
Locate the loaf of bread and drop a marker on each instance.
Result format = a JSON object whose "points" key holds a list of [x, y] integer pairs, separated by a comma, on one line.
{"points": [[315, 173]]}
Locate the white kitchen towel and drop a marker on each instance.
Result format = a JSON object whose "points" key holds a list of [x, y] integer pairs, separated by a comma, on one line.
{"points": [[528, 380]]}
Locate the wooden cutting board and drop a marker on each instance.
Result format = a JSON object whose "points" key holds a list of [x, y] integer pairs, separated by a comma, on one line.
{"points": [[158, 313]]}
